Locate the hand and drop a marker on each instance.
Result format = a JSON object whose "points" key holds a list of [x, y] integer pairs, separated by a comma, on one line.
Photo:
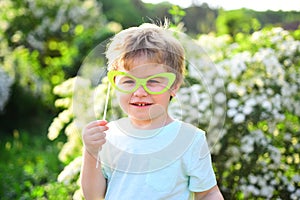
{"points": [[93, 136]]}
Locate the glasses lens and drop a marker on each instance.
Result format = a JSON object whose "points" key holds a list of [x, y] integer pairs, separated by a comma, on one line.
{"points": [[125, 83], [158, 83]]}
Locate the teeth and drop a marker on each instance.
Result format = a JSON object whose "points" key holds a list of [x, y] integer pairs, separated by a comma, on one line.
{"points": [[141, 104]]}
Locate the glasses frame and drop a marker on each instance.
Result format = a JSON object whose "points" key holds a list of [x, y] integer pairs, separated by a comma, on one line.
{"points": [[141, 81]]}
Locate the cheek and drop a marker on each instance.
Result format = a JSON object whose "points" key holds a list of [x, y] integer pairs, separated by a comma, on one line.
{"points": [[162, 99], [122, 96], [123, 100]]}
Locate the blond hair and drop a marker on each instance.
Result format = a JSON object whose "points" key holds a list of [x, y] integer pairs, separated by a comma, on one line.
{"points": [[155, 42]]}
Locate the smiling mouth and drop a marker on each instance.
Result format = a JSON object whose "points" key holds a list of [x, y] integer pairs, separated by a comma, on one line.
{"points": [[141, 104]]}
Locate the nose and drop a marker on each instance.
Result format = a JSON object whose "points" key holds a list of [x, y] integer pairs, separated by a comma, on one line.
{"points": [[140, 92]]}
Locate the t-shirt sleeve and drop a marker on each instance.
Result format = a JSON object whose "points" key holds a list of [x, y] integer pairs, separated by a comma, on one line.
{"points": [[200, 170]]}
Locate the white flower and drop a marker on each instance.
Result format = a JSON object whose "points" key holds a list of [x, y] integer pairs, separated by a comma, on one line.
{"points": [[233, 103], [247, 148], [220, 98], [273, 182], [259, 82], [196, 88], [247, 110], [262, 181], [218, 83], [252, 179], [267, 191], [241, 91], [267, 105], [256, 36], [252, 189], [291, 188], [296, 195], [247, 144], [232, 87], [203, 105], [5, 84], [239, 118], [275, 154], [183, 97], [194, 101], [231, 112], [270, 91], [70, 171], [219, 111], [296, 178]]}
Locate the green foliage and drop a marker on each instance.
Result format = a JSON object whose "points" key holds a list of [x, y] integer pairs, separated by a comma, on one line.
{"points": [[126, 12], [236, 21], [30, 173], [200, 19], [248, 21], [177, 14], [278, 18]]}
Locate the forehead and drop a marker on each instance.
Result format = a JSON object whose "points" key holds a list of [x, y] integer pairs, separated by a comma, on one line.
{"points": [[142, 67]]}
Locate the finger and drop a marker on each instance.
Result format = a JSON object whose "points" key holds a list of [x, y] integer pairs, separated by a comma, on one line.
{"points": [[101, 122], [96, 123], [97, 129], [95, 140], [97, 136]]}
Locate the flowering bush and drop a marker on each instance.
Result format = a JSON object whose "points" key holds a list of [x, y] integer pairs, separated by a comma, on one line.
{"points": [[259, 150], [43, 41], [246, 96], [81, 102]]}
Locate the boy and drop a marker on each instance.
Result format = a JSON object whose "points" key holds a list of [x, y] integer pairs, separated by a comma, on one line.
{"points": [[147, 155]]}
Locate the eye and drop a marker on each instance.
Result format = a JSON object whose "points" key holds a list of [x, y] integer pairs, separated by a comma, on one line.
{"points": [[157, 80], [153, 81], [125, 80], [128, 82]]}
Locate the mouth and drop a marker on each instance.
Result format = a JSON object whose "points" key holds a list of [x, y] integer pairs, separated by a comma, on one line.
{"points": [[141, 104]]}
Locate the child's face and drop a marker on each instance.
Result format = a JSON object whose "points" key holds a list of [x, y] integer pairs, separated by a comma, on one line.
{"points": [[143, 108]]}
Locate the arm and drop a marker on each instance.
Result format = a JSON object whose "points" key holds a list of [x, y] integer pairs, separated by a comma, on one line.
{"points": [[211, 194], [93, 182]]}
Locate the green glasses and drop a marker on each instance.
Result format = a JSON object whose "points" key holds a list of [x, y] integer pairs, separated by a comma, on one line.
{"points": [[127, 83]]}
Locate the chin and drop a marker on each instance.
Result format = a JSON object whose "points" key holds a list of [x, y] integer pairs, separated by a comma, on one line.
{"points": [[140, 117]]}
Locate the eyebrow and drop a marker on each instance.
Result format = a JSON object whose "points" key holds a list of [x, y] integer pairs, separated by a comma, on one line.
{"points": [[145, 76]]}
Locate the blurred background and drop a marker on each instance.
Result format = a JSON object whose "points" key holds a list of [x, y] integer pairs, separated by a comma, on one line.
{"points": [[256, 49]]}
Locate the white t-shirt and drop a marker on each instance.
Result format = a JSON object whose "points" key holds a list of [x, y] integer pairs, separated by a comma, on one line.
{"points": [[168, 163]]}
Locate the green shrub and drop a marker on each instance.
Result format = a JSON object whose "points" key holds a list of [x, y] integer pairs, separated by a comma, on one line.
{"points": [[29, 168]]}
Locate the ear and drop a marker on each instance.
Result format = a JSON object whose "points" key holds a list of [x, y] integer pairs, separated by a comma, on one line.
{"points": [[174, 89]]}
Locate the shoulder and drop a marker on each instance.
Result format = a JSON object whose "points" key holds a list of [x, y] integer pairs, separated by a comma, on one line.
{"points": [[199, 144], [197, 152], [191, 129], [191, 136]]}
